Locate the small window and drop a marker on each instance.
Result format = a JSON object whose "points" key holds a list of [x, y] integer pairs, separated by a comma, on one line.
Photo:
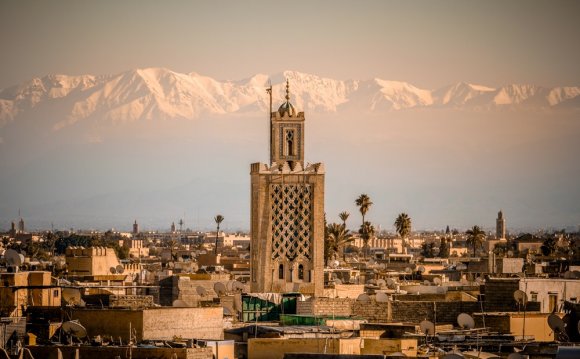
{"points": [[301, 272], [55, 293], [553, 302], [281, 271], [290, 143], [534, 297]]}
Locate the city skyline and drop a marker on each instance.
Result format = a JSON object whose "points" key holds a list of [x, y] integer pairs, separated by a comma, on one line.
{"points": [[446, 166]]}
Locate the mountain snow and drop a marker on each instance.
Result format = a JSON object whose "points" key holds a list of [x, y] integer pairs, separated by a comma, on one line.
{"points": [[159, 94]]}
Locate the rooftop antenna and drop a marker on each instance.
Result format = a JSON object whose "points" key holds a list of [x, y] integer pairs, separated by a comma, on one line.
{"points": [[269, 92]]}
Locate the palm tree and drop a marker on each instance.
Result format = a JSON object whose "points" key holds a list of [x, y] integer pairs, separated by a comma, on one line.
{"points": [[475, 237], [338, 237], [218, 220], [364, 203], [343, 217], [403, 226], [367, 231]]}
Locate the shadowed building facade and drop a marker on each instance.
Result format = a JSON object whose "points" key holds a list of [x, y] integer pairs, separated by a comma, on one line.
{"points": [[287, 212]]}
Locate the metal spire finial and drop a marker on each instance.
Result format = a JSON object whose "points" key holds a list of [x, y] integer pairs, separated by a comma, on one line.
{"points": [[287, 90]]}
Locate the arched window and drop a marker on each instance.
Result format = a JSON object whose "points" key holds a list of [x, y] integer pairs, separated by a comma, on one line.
{"points": [[290, 143], [301, 272], [281, 271]]}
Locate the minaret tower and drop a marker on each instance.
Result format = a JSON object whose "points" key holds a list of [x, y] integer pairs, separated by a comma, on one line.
{"points": [[287, 211], [500, 226]]}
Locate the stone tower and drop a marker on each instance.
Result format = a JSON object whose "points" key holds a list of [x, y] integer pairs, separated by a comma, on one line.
{"points": [[135, 228], [500, 226], [287, 212]]}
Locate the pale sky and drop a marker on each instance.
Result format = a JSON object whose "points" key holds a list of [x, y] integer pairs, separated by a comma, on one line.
{"points": [[427, 43]]}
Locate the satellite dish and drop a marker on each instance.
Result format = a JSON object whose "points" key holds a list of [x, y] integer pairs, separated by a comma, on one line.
{"points": [[421, 269], [381, 282], [337, 281], [521, 297], [479, 280], [465, 321], [178, 303], [371, 261], [335, 264], [74, 328], [382, 266], [120, 269], [372, 281], [113, 270], [556, 323], [228, 311], [13, 258], [238, 286], [219, 288], [408, 270], [363, 298], [71, 295], [391, 282], [460, 267], [426, 282], [427, 327], [437, 281], [201, 291], [381, 297], [515, 356]]}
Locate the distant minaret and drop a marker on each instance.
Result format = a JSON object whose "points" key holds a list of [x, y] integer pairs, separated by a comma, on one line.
{"points": [[500, 226], [172, 227], [21, 226], [135, 228], [12, 228]]}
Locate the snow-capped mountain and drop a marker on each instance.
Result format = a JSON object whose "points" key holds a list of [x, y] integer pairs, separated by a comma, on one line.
{"points": [[158, 94]]}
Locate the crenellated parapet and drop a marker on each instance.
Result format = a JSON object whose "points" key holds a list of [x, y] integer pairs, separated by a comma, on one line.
{"points": [[288, 167]]}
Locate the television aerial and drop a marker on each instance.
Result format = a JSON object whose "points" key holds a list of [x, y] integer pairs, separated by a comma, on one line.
{"points": [[74, 328], [381, 297], [465, 321], [363, 298], [220, 289], [427, 327], [178, 303]]}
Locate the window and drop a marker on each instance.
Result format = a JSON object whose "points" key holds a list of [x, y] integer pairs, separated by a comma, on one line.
{"points": [[552, 302], [55, 293], [301, 272], [534, 297], [281, 271], [290, 143]]}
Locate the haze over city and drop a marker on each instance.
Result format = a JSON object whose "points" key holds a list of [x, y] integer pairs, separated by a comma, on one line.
{"points": [[448, 110]]}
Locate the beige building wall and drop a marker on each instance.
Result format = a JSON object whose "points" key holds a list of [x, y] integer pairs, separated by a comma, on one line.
{"points": [[90, 261], [275, 348], [546, 289]]}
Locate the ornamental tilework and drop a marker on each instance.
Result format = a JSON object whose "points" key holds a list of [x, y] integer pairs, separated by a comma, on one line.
{"points": [[291, 225]]}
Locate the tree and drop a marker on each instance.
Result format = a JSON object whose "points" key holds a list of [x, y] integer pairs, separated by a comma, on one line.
{"points": [[366, 231], [428, 249], [337, 237], [403, 226], [218, 220], [475, 237], [364, 203], [549, 246], [343, 217], [444, 248]]}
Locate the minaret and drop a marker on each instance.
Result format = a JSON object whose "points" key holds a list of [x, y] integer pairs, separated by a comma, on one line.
{"points": [[287, 211], [21, 226], [172, 227], [500, 226], [135, 228]]}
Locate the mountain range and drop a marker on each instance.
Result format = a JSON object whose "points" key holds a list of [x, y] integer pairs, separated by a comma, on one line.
{"points": [[158, 93]]}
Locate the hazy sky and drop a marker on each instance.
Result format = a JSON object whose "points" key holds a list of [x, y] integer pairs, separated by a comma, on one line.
{"points": [[428, 43]]}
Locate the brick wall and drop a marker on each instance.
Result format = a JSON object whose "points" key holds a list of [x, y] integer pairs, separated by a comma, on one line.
{"points": [[341, 307]]}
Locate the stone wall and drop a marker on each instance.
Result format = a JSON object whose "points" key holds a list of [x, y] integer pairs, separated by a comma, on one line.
{"points": [[340, 307], [87, 352]]}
